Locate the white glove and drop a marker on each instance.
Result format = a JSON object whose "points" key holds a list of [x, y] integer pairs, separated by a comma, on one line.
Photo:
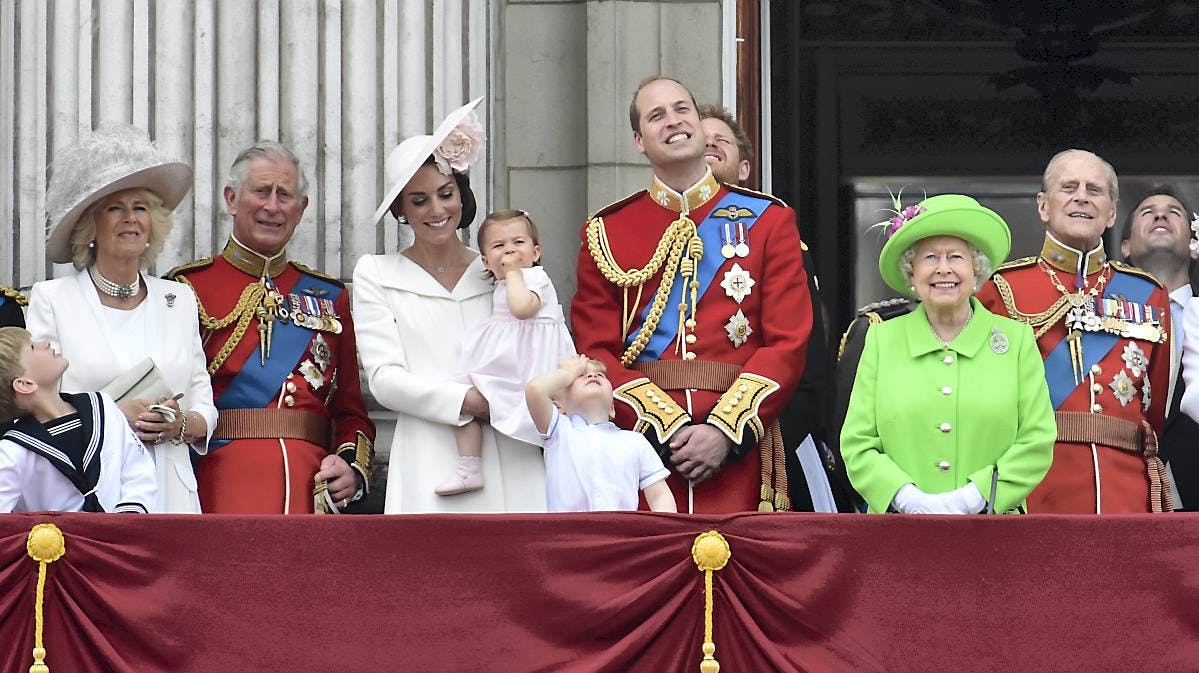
{"points": [[965, 500]]}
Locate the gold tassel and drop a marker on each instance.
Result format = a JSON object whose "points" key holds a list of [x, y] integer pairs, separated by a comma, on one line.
{"points": [[710, 551], [44, 545]]}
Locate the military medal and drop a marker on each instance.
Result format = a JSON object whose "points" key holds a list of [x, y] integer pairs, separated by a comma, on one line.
{"points": [[312, 374], [1145, 394], [170, 297], [1134, 359], [320, 352], [727, 247], [999, 342], [742, 248], [737, 283], [1123, 388], [738, 328]]}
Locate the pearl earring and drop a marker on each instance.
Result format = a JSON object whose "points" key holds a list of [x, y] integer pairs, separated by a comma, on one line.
{"points": [[912, 289], [91, 244], [401, 219]]}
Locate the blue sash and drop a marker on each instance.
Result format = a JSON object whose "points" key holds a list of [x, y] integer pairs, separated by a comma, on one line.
{"points": [[709, 231], [256, 385], [1095, 345]]}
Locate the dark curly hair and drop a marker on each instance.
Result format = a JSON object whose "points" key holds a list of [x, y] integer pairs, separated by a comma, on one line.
{"points": [[469, 206]]}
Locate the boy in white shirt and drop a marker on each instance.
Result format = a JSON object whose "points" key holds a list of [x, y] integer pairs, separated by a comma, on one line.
{"points": [[590, 464], [63, 452]]}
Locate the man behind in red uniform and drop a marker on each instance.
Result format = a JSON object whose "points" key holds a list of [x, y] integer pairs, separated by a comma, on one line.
{"points": [[1102, 327], [694, 295], [293, 432]]}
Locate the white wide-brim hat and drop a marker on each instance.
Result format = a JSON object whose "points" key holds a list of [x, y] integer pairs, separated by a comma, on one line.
{"points": [[407, 157], [108, 160]]}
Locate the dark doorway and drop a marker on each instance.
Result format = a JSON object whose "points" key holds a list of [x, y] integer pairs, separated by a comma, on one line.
{"points": [[972, 93]]}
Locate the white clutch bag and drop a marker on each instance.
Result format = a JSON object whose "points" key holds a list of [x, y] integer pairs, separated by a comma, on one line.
{"points": [[144, 381]]}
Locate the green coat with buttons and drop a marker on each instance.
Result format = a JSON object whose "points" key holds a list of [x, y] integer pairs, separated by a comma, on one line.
{"points": [[941, 417]]}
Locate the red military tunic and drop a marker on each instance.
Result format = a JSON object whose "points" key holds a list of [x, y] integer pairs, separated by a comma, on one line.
{"points": [[1128, 384], [269, 465], [752, 344]]}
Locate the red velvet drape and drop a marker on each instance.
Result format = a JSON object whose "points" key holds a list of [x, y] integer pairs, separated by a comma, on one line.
{"points": [[605, 592]]}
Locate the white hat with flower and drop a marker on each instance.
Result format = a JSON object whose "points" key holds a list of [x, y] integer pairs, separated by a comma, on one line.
{"points": [[110, 159], [455, 145]]}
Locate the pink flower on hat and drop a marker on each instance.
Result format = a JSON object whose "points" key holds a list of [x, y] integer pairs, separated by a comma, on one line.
{"points": [[902, 217], [462, 147]]}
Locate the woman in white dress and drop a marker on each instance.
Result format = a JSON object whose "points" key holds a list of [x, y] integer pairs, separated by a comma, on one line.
{"points": [[110, 199], [410, 312]]}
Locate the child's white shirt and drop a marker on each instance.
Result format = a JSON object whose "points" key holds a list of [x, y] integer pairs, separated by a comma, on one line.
{"points": [[596, 467]]}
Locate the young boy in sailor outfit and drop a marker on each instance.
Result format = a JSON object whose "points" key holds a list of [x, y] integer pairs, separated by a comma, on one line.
{"points": [[64, 452]]}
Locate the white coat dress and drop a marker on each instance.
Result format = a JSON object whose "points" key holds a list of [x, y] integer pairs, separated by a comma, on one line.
{"points": [[67, 312], [409, 331]]}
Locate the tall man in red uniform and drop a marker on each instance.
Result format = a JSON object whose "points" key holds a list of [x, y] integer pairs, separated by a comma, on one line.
{"points": [[1103, 328], [694, 295], [293, 430]]}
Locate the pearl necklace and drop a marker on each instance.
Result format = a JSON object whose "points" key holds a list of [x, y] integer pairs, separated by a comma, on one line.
{"points": [[113, 289], [945, 344]]}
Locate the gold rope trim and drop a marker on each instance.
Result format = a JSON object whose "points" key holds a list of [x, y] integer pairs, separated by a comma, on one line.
{"points": [[45, 545], [667, 256], [1042, 321], [243, 312], [711, 552]]}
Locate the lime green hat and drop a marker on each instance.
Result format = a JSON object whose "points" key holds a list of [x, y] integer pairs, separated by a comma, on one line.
{"points": [[944, 215]]}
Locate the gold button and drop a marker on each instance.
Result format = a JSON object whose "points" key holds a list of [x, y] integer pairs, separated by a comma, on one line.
{"points": [[291, 387], [1097, 409], [1096, 370], [653, 397], [743, 388], [1096, 388], [943, 466], [669, 409], [946, 390], [291, 375], [689, 323], [689, 356], [727, 409], [945, 427], [948, 360], [691, 338], [289, 401], [661, 405]]}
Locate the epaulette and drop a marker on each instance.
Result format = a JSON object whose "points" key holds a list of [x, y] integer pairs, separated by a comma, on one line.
{"points": [[884, 305], [188, 267], [313, 272], [1135, 270], [617, 205], [1017, 264], [14, 295], [761, 195]]}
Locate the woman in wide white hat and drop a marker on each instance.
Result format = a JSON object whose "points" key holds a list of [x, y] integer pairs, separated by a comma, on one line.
{"points": [[131, 334], [411, 309]]}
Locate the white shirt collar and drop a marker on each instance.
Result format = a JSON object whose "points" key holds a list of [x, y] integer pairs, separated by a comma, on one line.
{"points": [[1182, 294]]}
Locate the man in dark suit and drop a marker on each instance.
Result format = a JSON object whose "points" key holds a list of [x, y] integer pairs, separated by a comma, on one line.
{"points": [[1157, 237]]}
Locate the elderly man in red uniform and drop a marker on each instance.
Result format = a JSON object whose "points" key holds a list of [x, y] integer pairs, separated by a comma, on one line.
{"points": [[694, 295], [1102, 327], [293, 432]]}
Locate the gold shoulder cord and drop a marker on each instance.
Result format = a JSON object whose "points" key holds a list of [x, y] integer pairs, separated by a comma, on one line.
{"points": [[1042, 321], [243, 312], [666, 256]]}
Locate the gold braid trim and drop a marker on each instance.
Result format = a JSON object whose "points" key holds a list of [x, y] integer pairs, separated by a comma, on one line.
{"points": [[666, 256], [243, 312], [1042, 321]]}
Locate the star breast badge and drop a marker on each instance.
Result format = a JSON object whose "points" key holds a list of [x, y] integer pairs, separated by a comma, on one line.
{"points": [[1123, 388], [738, 328], [737, 283]]}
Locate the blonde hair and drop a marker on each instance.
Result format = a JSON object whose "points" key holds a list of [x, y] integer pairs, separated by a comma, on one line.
{"points": [[83, 252], [499, 216], [14, 341]]}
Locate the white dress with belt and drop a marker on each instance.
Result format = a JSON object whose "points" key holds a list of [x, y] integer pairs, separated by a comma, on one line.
{"points": [[409, 332], [102, 343]]}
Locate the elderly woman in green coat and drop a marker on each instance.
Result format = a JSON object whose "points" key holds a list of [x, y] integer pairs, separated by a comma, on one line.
{"points": [[949, 407]]}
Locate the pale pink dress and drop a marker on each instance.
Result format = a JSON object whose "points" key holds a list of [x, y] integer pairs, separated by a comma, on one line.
{"points": [[501, 354]]}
